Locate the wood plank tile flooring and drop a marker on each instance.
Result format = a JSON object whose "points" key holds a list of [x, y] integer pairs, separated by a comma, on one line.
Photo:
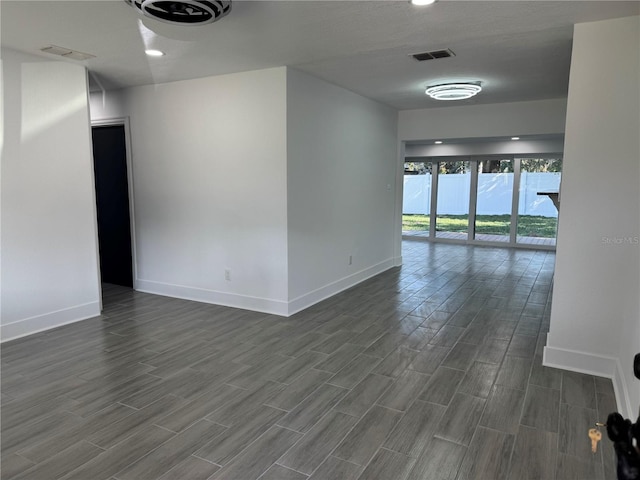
{"points": [[428, 371]]}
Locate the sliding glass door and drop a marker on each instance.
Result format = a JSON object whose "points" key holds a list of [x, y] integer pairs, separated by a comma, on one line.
{"points": [[452, 206], [416, 205], [494, 200], [489, 199], [538, 200]]}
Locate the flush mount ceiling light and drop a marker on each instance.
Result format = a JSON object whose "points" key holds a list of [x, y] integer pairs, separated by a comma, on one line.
{"points": [[183, 12], [421, 3], [453, 91], [515, 138], [154, 53]]}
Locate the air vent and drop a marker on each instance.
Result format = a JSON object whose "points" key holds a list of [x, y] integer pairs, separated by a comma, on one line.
{"points": [[421, 57], [183, 12], [67, 53]]}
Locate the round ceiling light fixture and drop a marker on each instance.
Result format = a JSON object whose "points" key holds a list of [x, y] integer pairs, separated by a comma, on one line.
{"points": [[453, 91], [183, 12], [422, 3]]}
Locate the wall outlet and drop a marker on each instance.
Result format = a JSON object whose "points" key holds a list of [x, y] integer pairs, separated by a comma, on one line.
{"points": [[227, 274], [350, 259]]}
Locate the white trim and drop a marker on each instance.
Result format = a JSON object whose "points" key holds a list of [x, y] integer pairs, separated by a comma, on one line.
{"points": [[124, 122], [322, 293], [621, 391], [591, 364], [577, 361], [398, 201], [204, 295], [264, 305], [94, 203], [47, 321]]}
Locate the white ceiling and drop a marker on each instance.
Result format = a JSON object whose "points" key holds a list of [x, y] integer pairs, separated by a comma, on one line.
{"points": [[519, 50]]}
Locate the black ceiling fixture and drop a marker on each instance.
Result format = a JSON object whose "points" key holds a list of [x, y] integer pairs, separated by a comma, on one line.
{"points": [[183, 12]]}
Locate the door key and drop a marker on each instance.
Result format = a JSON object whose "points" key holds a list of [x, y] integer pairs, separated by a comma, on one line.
{"points": [[595, 436]]}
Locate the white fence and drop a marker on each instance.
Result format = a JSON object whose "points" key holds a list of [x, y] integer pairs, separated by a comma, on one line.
{"points": [[494, 194]]}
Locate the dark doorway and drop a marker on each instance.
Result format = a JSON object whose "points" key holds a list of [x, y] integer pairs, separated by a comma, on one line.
{"points": [[112, 198]]}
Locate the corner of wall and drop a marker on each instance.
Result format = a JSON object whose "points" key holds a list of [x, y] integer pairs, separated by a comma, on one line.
{"points": [[48, 321], [591, 364], [333, 288]]}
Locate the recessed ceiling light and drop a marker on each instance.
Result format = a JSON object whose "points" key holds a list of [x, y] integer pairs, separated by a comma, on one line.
{"points": [[154, 53], [438, 142], [421, 3], [453, 91], [515, 138]]}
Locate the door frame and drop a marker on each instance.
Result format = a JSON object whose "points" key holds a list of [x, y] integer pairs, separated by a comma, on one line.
{"points": [[123, 122]]}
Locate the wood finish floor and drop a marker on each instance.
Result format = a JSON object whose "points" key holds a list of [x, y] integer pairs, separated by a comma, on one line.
{"points": [[428, 371]]}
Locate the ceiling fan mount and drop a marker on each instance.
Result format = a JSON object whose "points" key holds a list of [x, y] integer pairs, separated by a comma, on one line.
{"points": [[183, 12]]}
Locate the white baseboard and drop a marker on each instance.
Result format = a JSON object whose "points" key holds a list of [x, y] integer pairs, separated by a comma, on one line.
{"points": [[333, 288], [82, 312], [623, 398], [246, 302], [591, 364], [265, 305], [47, 321]]}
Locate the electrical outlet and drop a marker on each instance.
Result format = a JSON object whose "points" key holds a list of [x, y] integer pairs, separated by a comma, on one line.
{"points": [[227, 274]]}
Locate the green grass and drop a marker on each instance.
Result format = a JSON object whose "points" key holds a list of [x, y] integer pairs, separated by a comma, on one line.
{"points": [[528, 225]]}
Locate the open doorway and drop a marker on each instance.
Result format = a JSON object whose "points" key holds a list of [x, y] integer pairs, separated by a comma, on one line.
{"points": [[113, 206]]}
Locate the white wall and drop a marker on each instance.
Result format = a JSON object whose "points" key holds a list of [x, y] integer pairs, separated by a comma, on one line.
{"points": [[494, 120], [209, 181], [595, 317], [49, 251], [546, 148], [108, 104], [277, 176], [342, 164]]}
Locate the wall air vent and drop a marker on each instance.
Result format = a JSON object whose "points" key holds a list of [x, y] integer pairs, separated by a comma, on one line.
{"points": [[421, 57], [183, 12], [67, 53]]}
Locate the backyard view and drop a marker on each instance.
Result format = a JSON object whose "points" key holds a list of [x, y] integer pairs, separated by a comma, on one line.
{"points": [[528, 225], [497, 184]]}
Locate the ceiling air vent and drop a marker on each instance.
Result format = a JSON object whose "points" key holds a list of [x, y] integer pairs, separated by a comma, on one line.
{"points": [[183, 12], [67, 53], [421, 57]]}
